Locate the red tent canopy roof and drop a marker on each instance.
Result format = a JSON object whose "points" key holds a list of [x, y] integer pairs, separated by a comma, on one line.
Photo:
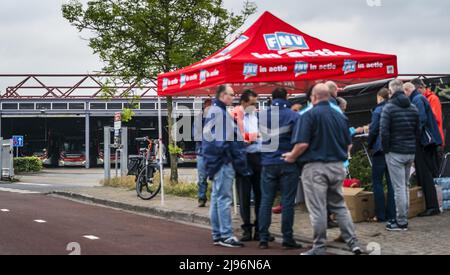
{"points": [[273, 53]]}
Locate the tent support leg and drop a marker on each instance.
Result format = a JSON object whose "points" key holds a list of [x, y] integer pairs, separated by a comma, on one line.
{"points": [[161, 164]]}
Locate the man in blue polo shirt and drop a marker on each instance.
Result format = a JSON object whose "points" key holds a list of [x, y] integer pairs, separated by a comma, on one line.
{"points": [[322, 143]]}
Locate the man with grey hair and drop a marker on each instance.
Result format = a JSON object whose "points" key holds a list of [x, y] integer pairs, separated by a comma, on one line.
{"points": [[427, 149], [333, 89], [399, 131], [321, 142]]}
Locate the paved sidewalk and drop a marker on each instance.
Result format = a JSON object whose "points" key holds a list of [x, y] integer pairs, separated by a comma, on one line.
{"points": [[427, 235]]}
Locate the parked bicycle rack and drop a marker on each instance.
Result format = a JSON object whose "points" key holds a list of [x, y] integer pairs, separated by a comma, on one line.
{"points": [[6, 159]]}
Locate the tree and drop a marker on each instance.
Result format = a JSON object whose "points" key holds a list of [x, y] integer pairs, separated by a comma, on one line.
{"points": [[138, 39]]}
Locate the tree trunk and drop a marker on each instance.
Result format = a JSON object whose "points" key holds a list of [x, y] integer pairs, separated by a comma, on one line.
{"points": [[172, 142]]}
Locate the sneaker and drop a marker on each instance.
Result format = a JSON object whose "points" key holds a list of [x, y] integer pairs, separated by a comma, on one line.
{"points": [[201, 203], [315, 252], [390, 222], [357, 250], [263, 245], [232, 242], [216, 242], [395, 227], [292, 245], [247, 236]]}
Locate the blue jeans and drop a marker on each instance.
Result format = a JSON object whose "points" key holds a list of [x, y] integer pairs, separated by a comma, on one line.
{"points": [[221, 200], [202, 178], [384, 211], [283, 177]]}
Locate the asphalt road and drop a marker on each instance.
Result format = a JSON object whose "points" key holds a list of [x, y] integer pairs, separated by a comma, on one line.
{"points": [[35, 224]]}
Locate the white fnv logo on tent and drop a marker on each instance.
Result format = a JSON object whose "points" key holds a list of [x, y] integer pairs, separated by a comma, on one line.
{"points": [[281, 41]]}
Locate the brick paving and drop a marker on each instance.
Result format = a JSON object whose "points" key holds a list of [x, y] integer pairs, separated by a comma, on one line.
{"points": [[426, 236]]}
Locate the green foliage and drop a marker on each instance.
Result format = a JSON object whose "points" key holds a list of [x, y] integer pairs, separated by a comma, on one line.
{"points": [[360, 169], [27, 164], [142, 38], [127, 182], [175, 150], [127, 115], [138, 39], [181, 189], [443, 91]]}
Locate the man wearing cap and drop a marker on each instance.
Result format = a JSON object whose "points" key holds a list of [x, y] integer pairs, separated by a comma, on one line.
{"points": [[427, 150], [435, 103]]}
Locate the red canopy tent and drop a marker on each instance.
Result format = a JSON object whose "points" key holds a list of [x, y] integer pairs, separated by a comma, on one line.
{"points": [[273, 53]]}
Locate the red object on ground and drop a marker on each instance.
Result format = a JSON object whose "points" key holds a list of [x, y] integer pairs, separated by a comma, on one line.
{"points": [[273, 53], [436, 106], [277, 209], [352, 183]]}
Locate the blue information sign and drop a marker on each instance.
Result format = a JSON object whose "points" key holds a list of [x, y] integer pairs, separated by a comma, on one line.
{"points": [[18, 141]]}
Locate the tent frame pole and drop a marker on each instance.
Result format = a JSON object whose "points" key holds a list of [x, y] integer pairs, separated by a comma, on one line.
{"points": [[161, 164]]}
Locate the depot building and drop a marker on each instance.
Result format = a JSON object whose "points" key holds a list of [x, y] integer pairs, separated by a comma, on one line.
{"points": [[62, 117]]}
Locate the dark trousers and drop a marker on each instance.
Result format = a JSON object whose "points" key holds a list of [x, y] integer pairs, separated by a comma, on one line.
{"points": [[427, 165], [282, 177], [385, 211], [245, 186]]}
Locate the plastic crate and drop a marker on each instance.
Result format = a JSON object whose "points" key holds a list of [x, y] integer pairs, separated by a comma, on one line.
{"points": [[446, 195], [443, 182], [446, 205]]}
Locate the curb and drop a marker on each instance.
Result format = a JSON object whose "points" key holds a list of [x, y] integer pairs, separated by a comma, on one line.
{"points": [[175, 216], [152, 211]]}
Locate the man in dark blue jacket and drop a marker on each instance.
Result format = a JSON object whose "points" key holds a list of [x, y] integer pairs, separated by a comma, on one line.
{"points": [[276, 126], [399, 131], [224, 155], [384, 212], [427, 149]]}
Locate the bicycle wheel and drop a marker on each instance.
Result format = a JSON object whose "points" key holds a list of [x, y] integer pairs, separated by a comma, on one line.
{"points": [[146, 187]]}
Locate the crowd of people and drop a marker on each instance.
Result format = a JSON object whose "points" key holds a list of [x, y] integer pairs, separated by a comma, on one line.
{"points": [[302, 152]]}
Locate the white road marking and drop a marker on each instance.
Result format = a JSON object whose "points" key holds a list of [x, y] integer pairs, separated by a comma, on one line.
{"points": [[40, 221], [4, 210], [33, 184], [17, 191], [91, 237]]}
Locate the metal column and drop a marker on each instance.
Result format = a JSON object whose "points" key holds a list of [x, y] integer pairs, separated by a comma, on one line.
{"points": [[87, 141], [161, 164], [1, 124], [11, 159], [107, 152], [1, 158], [124, 152]]}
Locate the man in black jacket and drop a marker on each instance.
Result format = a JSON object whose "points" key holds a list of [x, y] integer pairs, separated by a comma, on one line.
{"points": [[400, 131], [426, 163]]}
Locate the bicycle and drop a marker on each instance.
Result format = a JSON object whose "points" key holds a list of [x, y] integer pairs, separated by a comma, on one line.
{"points": [[147, 166]]}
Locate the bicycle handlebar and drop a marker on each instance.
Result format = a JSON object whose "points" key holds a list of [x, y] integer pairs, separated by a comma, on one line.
{"points": [[143, 139]]}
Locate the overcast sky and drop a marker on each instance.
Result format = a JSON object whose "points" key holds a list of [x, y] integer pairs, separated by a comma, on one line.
{"points": [[36, 39]]}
